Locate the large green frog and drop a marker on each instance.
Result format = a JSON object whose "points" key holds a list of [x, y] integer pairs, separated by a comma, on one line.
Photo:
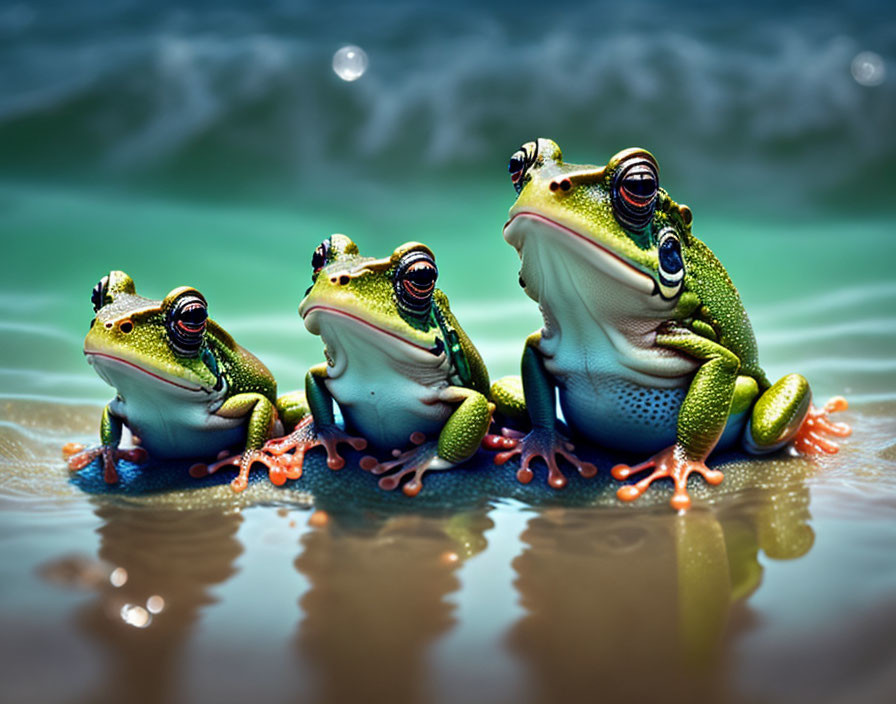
{"points": [[400, 368], [184, 387], [645, 339]]}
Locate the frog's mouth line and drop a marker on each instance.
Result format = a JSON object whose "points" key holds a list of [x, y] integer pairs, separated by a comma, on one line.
{"points": [[125, 362], [640, 281], [437, 350]]}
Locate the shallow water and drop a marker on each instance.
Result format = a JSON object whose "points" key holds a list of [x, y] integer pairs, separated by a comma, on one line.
{"points": [[214, 148]]}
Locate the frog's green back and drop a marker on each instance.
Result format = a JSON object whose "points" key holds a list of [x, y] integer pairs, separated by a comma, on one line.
{"points": [[245, 372], [479, 380], [710, 281]]}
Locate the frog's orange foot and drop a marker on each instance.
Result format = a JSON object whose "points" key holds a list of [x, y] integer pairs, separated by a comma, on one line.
{"points": [[306, 436], [78, 457], [508, 439], [416, 461], [546, 444], [811, 438], [672, 463], [279, 469]]}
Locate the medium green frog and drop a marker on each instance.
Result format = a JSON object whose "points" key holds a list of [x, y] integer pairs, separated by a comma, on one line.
{"points": [[399, 366], [645, 339], [184, 387]]}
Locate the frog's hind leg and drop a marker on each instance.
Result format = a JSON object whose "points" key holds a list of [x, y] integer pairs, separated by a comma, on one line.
{"points": [[510, 401], [784, 414]]}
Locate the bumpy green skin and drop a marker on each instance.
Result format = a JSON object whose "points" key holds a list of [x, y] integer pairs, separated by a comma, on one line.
{"points": [[292, 407], [168, 398], [406, 381], [466, 427], [705, 320], [509, 399], [110, 429]]}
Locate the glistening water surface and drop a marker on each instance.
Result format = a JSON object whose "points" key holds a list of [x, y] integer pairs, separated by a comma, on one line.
{"points": [[215, 148]]}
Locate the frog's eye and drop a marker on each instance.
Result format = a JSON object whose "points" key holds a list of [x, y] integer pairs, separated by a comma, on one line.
{"points": [[635, 188], [98, 297], [186, 323], [671, 269], [319, 258], [520, 163], [415, 282]]}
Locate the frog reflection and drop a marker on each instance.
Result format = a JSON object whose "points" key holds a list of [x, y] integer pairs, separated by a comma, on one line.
{"points": [[378, 598], [144, 614], [646, 608]]}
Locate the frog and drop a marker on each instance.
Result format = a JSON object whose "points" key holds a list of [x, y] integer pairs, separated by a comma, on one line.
{"points": [[646, 342], [404, 375], [184, 387]]}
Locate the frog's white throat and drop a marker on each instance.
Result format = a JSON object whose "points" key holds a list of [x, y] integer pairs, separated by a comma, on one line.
{"points": [[600, 313], [132, 377], [357, 344], [562, 267]]}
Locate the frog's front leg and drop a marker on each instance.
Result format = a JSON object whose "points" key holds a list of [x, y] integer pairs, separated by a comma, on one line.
{"points": [[459, 439], [261, 418], [701, 420], [543, 440], [110, 436], [785, 414], [318, 429]]}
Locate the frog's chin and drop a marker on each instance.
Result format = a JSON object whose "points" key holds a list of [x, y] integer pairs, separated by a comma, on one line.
{"points": [[380, 336], [526, 222], [120, 372]]}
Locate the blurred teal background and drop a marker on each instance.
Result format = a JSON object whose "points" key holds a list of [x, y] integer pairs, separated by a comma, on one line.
{"points": [[211, 144]]}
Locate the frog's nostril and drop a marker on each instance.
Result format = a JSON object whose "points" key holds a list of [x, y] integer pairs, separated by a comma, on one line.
{"points": [[108, 326], [577, 178]]}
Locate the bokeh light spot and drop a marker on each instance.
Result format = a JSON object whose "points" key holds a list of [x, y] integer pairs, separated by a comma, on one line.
{"points": [[135, 616], [119, 577], [868, 69], [350, 63]]}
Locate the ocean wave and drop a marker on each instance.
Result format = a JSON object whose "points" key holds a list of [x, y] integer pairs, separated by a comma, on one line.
{"points": [[767, 91]]}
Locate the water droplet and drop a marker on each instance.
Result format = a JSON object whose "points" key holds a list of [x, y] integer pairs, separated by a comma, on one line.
{"points": [[868, 69], [350, 62], [155, 604]]}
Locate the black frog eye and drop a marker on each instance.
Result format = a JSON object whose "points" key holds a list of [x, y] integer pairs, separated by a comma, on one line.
{"points": [[635, 189], [520, 163], [671, 264], [415, 282], [319, 258], [98, 296], [186, 322]]}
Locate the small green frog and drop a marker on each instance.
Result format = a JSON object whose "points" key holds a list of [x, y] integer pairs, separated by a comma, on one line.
{"points": [[184, 387], [645, 338], [398, 365]]}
